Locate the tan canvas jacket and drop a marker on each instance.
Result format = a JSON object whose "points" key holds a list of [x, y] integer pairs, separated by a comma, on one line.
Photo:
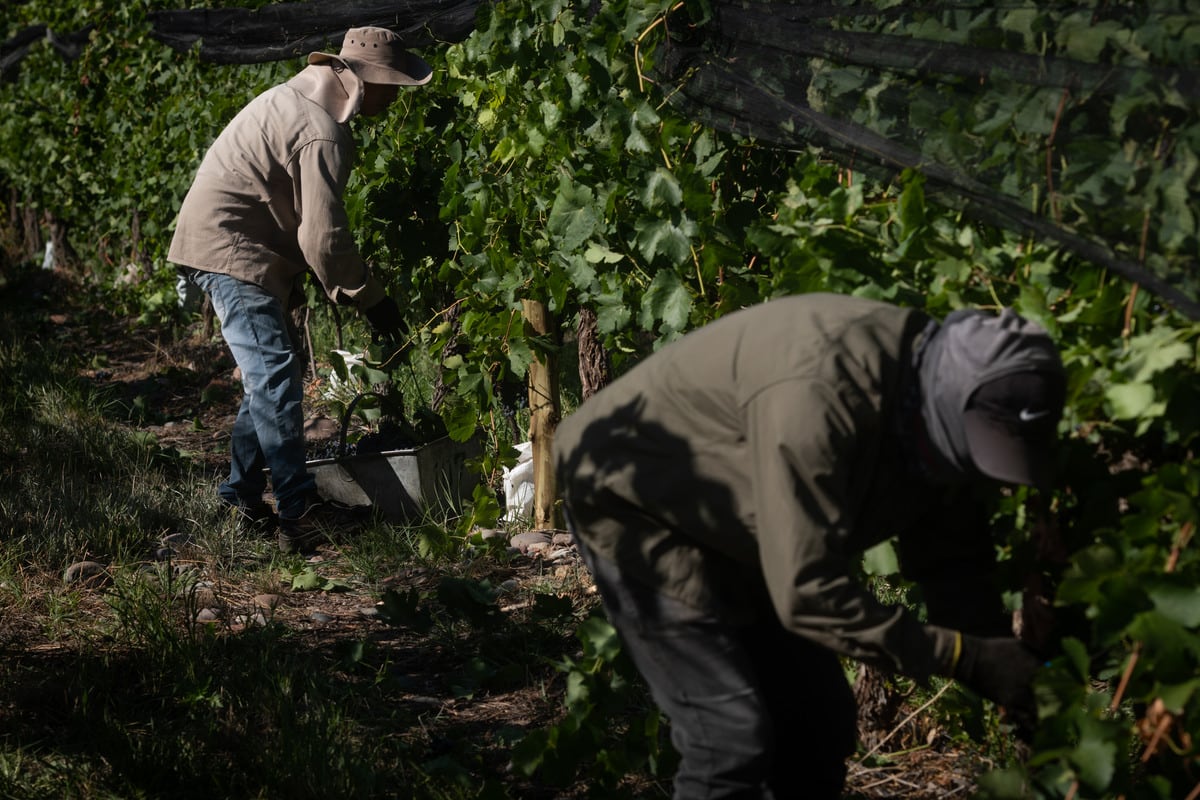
{"points": [[759, 454], [266, 203]]}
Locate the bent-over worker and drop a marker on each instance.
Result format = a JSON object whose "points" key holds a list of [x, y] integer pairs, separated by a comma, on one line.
{"points": [[722, 490]]}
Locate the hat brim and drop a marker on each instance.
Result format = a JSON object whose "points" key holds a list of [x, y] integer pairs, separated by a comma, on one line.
{"points": [[1001, 453], [414, 71]]}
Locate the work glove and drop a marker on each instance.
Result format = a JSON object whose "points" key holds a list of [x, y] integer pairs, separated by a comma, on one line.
{"points": [[385, 318], [1001, 669]]}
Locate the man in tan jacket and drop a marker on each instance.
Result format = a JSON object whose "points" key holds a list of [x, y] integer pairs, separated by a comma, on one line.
{"points": [[722, 490], [266, 208]]}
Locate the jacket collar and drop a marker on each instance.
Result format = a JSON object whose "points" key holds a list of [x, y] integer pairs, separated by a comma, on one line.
{"points": [[337, 90]]}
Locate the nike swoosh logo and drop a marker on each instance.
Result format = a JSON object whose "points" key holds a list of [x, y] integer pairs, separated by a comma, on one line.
{"points": [[1028, 415]]}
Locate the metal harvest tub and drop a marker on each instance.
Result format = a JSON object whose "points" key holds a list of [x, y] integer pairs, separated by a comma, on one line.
{"points": [[401, 484]]}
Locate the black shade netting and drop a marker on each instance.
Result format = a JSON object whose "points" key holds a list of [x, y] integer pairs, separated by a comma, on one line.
{"points": [[1076, 123], [272, 33], [14, 49], [289, 30]]}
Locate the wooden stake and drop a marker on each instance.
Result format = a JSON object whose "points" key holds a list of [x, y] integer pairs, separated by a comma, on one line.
{"points": [[545, 410]]}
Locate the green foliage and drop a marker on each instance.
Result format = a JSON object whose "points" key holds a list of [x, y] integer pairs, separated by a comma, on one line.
{"points": [[602, 686], [1102, 140], [309, 580], [458, 599], [1139, 658], [109, 142]]}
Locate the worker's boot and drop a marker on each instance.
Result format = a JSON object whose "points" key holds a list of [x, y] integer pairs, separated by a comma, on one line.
{"points": [[321, 521]]}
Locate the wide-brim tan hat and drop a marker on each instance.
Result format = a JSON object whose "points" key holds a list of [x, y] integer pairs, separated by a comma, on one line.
{"points": [[376, 56]]}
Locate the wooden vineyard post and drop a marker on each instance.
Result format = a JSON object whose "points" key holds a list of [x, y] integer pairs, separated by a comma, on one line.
{"points": [[544, 413]]}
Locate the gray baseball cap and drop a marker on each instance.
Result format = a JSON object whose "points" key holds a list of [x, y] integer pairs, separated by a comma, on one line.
{"points": [[993, 389]]}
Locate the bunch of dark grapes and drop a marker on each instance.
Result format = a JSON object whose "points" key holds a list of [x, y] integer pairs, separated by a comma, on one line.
{"points": [[328, 448], [390, 436]]}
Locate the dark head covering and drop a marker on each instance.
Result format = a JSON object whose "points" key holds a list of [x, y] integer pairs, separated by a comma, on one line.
{"points": [[992, 392]]}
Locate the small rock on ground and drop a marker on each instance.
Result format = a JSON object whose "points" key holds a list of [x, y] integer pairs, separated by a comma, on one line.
{"points": [[87, 573], [528, 540], [266, 602]]}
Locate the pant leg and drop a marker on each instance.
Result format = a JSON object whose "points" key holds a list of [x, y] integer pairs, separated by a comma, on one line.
{"points": [[701, 677], [811, 700], [755, 712], [247, 462], [270, 425]]}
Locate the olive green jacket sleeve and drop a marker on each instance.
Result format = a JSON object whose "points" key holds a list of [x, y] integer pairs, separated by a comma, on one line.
{"points": [[807, 507]]}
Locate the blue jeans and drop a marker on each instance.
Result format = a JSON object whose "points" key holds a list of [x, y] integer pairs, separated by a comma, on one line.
{"points": [[756, 712], [269, 431]]}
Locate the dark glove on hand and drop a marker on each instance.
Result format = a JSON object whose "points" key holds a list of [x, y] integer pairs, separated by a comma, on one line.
{"points": [[1001, 669], [385, 318]]}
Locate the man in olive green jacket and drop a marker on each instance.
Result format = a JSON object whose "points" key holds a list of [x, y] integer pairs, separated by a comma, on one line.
{"points": [[722, 490], [264, 209]]}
